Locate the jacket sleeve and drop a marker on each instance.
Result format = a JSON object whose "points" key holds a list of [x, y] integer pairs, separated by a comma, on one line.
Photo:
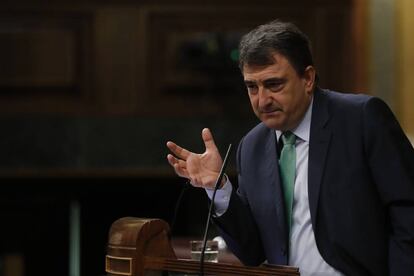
{"points": [[238, 227], [391, 160]]}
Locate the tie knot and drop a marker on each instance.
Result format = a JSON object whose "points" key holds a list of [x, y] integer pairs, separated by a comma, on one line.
{"points": [[288, 138]]}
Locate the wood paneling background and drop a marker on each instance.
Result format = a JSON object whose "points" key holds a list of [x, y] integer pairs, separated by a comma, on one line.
{"points": [[46, 61], [118, 59], [93, 86]]}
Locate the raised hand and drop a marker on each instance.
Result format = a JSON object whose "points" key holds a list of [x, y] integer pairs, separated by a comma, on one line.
{"points": [[201, 169]]}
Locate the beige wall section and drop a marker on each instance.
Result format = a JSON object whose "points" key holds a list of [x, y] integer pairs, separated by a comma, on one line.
{"points": [[405, 64], [382, 52]]}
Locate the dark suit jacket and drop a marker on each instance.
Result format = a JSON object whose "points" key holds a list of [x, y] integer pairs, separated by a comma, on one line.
{"points": [[361, 190]]}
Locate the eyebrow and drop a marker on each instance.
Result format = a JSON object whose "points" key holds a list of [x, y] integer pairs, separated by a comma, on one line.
{"points": [[266, 81], [249, 82], [272, 80]]}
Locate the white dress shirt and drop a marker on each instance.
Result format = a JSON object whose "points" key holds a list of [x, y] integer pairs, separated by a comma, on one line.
{"points": [[303, 252]]}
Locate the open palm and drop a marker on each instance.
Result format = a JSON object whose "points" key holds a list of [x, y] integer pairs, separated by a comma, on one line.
{"points": [[201, 169]]}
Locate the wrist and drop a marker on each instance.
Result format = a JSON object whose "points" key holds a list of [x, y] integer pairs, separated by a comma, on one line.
{"points": [[223, 181]]}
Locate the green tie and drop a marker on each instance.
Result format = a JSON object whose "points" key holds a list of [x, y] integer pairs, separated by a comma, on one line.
{"points": [[287, 163]]}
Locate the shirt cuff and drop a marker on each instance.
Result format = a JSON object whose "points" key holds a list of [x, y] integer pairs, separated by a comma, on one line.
{"points": [[222, 199]]}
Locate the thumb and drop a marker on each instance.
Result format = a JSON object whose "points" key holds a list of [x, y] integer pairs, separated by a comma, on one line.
{"points": [[208, 139]]}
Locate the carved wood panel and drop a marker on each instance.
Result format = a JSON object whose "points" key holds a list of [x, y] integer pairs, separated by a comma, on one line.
{"points": [[45, 61], [191, 69], [154, 60]]}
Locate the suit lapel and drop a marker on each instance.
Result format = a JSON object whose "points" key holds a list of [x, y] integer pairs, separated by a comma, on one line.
{"points": [[273, 182], [320, 137]]}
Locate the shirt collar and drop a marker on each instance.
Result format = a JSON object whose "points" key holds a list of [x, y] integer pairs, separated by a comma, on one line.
{"points": [[303, 129]]}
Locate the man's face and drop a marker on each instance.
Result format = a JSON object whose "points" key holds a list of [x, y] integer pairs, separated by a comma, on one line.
{"points": [[278, 95]]}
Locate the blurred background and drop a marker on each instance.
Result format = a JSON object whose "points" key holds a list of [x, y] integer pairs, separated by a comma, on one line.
{"points": [[90, 91]]}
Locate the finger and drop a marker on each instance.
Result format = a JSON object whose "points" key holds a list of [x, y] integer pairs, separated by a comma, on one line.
{"points": [[181, 171], [208, 139], [178, 151], [178, 165], [171, 159], [174, 162]]}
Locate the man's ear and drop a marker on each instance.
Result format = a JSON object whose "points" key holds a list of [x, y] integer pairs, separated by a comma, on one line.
{"points": [[309, 76]]}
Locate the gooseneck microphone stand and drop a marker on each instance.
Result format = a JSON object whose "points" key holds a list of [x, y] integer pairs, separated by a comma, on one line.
{"points": [[210, 211]]}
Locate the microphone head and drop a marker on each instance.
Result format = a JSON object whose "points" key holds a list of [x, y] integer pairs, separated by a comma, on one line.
{"points": [[221, 243]]}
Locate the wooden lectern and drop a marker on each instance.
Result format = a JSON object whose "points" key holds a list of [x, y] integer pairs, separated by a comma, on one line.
{"points": [[139, 247]]}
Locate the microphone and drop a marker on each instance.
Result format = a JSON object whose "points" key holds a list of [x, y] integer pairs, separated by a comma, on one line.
{"points": [[210, 211]]}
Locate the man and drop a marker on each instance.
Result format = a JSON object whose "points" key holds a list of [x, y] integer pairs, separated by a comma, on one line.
{"points": [[346, 207]]}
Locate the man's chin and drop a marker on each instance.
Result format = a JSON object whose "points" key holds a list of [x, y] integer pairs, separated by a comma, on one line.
{"points": [[273, 123]]}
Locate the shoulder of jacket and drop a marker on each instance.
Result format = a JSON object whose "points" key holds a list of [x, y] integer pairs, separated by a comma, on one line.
{"points": [[258, 131]]}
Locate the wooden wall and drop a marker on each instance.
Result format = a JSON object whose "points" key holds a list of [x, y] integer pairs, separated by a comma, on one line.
{"points": [[83, 83], [112, 58]]}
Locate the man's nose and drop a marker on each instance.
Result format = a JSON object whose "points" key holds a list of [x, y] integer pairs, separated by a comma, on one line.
{"points": [[264, 97]]}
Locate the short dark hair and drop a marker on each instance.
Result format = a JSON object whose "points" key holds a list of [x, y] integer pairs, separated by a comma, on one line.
{"points": [[258, 46]]}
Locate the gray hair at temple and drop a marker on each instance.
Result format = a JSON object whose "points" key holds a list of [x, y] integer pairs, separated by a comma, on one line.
{"points": [[258, 46]]}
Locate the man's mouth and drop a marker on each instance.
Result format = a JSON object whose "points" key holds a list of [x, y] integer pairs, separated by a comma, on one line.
{"points": [[269, 111]]}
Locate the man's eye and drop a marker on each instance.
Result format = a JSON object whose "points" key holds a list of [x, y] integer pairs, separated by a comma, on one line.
{"points": [[251, 88], [274, 86]]}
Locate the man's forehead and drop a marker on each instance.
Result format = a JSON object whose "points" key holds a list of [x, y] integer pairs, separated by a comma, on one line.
{"points": [[261, 73], [280, 63]]}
